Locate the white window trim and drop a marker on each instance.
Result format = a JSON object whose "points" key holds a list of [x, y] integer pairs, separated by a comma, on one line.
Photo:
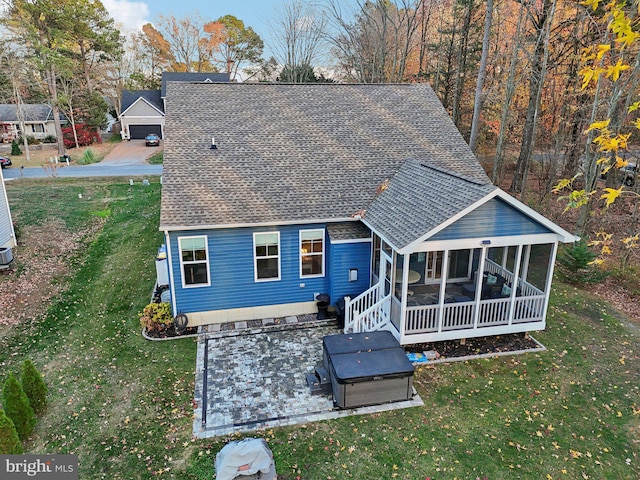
{"points": [[321, 230], [255, 259], [182, 263]]}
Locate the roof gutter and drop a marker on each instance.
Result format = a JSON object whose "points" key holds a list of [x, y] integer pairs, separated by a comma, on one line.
{"points": [[174, 228]]}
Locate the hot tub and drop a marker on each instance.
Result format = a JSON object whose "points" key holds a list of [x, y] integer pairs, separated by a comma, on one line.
{"points": [[371, 377], [367, 369]]}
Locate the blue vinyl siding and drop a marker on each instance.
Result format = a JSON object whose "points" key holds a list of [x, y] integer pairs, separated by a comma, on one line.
{"points": [[231, 270], [342, 258], [495, 218]]}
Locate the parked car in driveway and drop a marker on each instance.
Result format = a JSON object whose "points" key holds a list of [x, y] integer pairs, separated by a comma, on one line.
{"points": [[152, 140], [5, 162]]}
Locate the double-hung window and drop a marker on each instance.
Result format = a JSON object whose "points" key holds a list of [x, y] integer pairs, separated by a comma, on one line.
{"points": [[266, 254], [194, 261], [312, 253]]}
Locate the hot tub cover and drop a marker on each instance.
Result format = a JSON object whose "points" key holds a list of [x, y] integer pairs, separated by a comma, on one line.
{"points": [[240, 459]]}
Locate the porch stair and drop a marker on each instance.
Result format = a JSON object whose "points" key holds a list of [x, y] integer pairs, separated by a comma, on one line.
{"points": [[367, 312]]}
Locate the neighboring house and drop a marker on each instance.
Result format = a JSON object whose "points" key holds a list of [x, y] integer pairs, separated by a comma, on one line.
{"points": [[143, 110], [366, 191], [38, 121], [142, 114], [7, 233]]}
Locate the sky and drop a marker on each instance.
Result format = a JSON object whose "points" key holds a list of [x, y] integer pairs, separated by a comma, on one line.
{"points": [[132, 14]]}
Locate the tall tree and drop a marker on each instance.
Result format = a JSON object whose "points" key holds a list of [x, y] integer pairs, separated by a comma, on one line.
{"points": [[477, 104], [298, 37], [67, 37], [187, 40], [542, 19], [234, 44], [373, 42], [42, 26]]}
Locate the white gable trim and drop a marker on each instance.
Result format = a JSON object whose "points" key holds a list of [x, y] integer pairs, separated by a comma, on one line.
{"points": [[141, 99], [562, 235]]}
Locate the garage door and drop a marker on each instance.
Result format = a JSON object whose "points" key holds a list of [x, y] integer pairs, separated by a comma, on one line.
{"points": [[138, 132]]}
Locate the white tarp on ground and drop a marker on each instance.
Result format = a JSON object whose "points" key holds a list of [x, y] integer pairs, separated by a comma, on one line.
{"points": [[251, 456]]}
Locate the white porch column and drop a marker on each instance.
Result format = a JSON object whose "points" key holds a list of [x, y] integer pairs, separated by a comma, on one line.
{"points": [[444, 273], [479, 279], [547, 287], [514, 283]]}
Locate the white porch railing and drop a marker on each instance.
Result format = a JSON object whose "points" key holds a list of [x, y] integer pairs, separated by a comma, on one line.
{"points": [[370, 311], [367, 312], [460, 315]]}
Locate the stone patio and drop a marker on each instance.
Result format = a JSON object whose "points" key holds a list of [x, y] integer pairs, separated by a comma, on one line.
{"points": [[251, 377]]}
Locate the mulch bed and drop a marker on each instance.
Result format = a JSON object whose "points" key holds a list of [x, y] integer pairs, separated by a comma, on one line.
{"points": [[171, 333], [477, 346]]}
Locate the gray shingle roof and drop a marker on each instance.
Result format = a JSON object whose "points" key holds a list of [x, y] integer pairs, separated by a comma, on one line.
{"points": [[129, 97], [342, 231], [38, 112], [190, 77], [418, 199], [296, 153]]}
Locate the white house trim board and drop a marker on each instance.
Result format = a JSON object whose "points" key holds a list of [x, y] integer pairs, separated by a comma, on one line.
{"points": [[141, 99], [8, 237], [167, 240], [476, 242], [355, 240], [252, 225]]}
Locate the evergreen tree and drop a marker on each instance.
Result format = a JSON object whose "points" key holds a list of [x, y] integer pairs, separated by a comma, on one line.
{"points": [[34, 386], [9, 441], [17, 408], [15, 148]]}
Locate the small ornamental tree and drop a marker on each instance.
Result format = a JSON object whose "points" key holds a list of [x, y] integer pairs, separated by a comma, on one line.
{"points": [[17, 408], [9, 441], [577, 265], [34, 386]]}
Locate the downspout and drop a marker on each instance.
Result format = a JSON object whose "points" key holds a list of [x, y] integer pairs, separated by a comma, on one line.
{"points": [[167, 242]]}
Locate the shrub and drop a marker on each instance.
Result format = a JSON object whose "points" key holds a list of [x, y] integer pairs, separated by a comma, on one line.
{"points": [[86, 135], [16, 405], [9, 441], [49, 139], [15, 148], [156, 317], [88, 157], [34, 386], [575, 267]]}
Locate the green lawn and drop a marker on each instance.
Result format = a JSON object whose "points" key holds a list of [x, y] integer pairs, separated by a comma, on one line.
{"points": [[123, 404]]}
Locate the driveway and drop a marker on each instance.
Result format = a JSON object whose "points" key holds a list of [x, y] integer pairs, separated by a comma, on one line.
{"points": [[133, 152]]}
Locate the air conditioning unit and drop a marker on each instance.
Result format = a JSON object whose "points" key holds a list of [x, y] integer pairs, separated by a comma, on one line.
{"points": [[6, 256]]}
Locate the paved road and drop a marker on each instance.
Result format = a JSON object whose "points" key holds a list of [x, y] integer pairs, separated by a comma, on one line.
{"points": [[95, 170], [127, 159]]}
